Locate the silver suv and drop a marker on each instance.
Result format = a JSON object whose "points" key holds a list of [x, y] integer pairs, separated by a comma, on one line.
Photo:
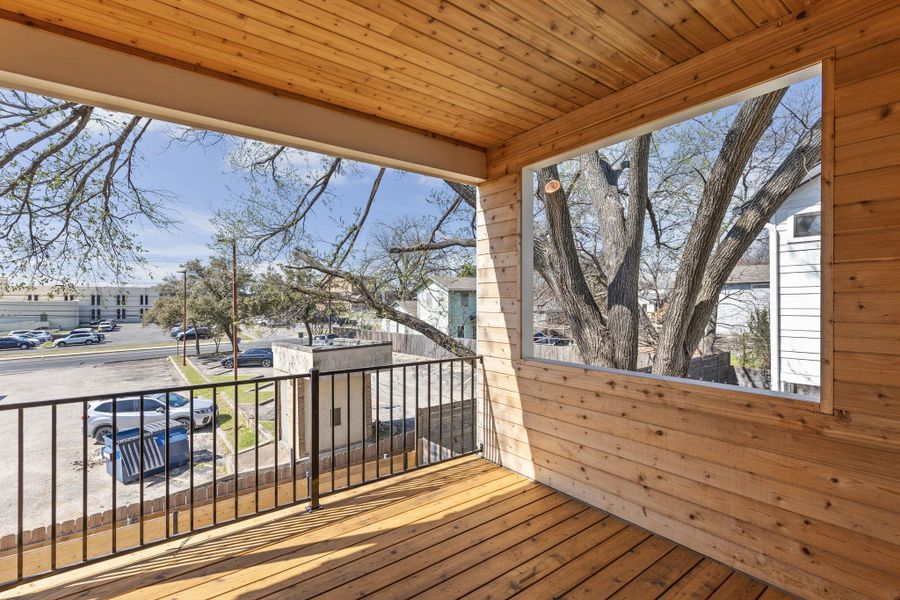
{"points": [[128, 413], [75, 339]]}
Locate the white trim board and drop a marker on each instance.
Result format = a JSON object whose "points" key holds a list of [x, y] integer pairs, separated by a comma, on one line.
{"points": [[38, 61]]}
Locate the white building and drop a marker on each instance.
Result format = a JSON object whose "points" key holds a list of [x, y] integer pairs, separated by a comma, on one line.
{"points": [[49, 306], [410, 307], [447, 303], [795, 250], [746, 290]]}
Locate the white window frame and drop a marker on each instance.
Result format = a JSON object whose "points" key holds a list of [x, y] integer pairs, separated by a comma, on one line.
{"points": [[527, 229]]}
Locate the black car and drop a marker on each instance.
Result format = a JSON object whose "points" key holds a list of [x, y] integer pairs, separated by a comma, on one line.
{"points": [[192, 333], [16, 342], [254, 357]]}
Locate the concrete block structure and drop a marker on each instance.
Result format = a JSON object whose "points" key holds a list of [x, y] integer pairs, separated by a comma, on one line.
{"points": [[352, 412]]}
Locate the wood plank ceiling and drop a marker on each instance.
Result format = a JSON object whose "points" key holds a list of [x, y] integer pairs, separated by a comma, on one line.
{"points": [[477, 71]]}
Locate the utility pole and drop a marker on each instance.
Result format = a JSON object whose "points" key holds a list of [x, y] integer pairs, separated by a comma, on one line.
{"points": [[184, 320], [234, 313]]}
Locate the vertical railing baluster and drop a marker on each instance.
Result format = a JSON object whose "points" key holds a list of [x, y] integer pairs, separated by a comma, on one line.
{"points": [[256, 448], [403, 416], [166, 458], [191, 459], [430, 428], [215, 486], [440, 367], [53, 488], [462, 407], [362, 424], [20, 498], [314, 440], [332, 433], [141, 475], [84, 482], [237, 448], [474, 405], [391, 416], [416, 419], [377, 423], [277, 392], [295, 411], [451, 410], [347, 453], [115, 431]]}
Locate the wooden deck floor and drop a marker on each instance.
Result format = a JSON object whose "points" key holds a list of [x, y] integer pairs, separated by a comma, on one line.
{"points": [[467, 528]]}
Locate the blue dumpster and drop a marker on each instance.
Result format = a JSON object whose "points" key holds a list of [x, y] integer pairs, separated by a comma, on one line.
{"points": [[128, 453]]}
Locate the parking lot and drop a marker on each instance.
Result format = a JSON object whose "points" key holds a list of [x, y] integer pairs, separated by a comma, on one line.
{"points": [[126, 336], [119, 372], [67, 382]]}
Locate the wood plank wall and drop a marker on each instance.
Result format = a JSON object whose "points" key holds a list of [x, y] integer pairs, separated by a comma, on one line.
{"points": [[805, 500]]}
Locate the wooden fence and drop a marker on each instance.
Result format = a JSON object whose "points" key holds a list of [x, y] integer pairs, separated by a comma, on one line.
{"points": [[406, 343]]}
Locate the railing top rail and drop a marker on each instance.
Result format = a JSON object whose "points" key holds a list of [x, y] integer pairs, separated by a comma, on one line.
{"points": [[221, 384]]}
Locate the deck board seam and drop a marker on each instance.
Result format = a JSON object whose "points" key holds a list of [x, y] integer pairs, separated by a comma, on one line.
{"points": [[444, 540], [507, 489]]}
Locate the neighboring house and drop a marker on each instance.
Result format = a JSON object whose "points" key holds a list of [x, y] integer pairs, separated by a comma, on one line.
{"points": [[447, 303], [410, 307], [42, 306], [746, 290], [795, 250]]}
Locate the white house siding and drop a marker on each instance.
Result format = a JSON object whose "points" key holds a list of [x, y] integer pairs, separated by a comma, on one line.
{"points": [[433, 305], [796, 275], [736, 304], [447, 304]]}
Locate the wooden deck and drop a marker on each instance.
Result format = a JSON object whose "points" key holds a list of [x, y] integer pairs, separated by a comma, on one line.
{"points": [[467, 528]]}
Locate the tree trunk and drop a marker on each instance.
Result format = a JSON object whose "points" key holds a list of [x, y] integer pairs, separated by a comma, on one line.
{"points": [[675, 349], [789, 175], [559, 265], [708, 343], [196, 337]]}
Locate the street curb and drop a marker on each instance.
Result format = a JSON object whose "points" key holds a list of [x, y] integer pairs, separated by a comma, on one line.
{"points": [[86, 352]]}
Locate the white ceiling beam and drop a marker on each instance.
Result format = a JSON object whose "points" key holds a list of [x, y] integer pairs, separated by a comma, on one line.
{"points": [[38, 61]]}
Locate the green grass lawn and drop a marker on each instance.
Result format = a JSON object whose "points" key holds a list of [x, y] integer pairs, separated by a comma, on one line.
{"points": [[224, 397]]}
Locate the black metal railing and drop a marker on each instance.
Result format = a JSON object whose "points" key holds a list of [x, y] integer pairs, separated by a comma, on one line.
{"points": [[324, 432]]}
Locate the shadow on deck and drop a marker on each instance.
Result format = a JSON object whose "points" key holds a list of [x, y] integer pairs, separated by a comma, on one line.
{"points": [[467, 528]]}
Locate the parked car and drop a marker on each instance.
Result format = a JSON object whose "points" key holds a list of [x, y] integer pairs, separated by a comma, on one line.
{"points": [[76, 339], [39, 334], [128, 413], [325, 339], [550, 339], [105, 326], [175, 331], [191, 333], [32, 342], [100, 337], [254, 357], [19, 332], [15, 342]]}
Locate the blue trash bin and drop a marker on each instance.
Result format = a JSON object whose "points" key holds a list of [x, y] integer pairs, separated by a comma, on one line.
{"points": [[128, 457]]}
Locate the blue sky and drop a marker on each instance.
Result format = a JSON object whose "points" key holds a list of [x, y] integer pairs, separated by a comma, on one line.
{"points": [[202, 182]]}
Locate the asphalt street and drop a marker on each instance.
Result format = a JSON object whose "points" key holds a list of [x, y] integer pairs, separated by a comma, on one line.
{"points": [[54, 359]]}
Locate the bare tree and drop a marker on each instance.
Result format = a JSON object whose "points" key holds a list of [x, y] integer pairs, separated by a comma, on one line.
{"points": [[604, 314], [69, 191]]}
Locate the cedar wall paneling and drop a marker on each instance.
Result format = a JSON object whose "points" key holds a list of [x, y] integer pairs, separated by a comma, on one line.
{"points": [[807, 501]]}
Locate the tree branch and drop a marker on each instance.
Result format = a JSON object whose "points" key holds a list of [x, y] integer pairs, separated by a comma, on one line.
{"points": [[440, 245], [366, 296]]}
